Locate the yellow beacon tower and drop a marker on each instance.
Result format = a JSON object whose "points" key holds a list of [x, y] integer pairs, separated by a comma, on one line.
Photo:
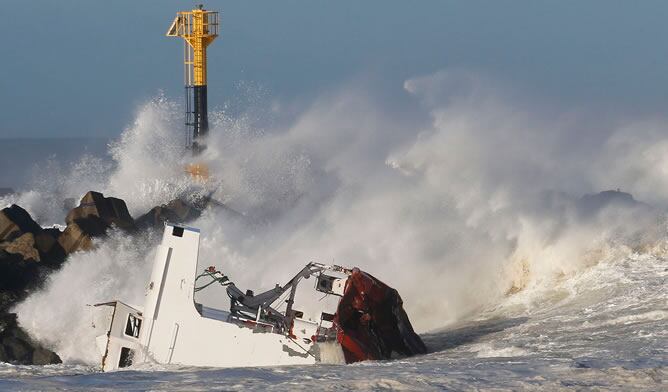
{"points": [[198, 28]]}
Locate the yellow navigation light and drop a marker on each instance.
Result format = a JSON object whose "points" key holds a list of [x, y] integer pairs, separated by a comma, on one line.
{"points": [[198, 171], [198, 28]]}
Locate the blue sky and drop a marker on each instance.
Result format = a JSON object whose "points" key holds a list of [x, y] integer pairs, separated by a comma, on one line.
{"points": [[81, 68]]}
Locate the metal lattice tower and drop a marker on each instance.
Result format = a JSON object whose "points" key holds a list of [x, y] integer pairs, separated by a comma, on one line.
{"points": [[198, 28]]}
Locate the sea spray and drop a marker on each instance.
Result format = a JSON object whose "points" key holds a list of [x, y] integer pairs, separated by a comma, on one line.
{"points": [[457, 215], [150, 158], [61, 315]]}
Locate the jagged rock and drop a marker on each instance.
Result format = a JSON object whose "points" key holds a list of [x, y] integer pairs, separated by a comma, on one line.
{"points": [[180, 211], [23, 246], [593, 203], [110, 210], [48, 247], [94, 215], [15, 221], [21, 271], [79, 234], [17, 347], [16, 350], [175, 211], [7, 300], [22, 235], [16, 275], [42, 356]]}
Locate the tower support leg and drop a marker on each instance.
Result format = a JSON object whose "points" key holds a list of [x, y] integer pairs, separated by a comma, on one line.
{"points": [[200, 118]]}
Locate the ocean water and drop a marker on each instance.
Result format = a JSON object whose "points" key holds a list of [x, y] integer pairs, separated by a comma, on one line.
{"points": [[605, 329], [473, 213], [23, 157]]}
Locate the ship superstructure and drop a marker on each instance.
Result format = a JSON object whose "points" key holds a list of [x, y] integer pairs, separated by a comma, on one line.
{"points": [[364, 321]]}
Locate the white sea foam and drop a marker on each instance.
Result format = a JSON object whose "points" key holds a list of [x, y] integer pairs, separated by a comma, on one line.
{"points": [[471, 203]]}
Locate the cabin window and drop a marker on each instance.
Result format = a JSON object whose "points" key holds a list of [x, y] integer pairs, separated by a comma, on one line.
{"points": [[325, 283], [327, 316], [133, 326], [177, 231], [126, 357]]}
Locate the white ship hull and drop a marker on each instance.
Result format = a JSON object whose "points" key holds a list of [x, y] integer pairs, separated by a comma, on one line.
{"points": [[170, 329]]}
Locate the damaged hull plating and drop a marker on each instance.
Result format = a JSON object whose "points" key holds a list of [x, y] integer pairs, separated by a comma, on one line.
{"points": [[361, 319]]}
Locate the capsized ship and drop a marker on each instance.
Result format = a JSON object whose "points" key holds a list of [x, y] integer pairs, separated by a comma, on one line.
{"points": [[358, 317]]}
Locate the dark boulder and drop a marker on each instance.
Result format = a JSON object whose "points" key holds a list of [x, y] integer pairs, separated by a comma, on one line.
{"points": [[23, 246], [17, 276], [182, 211], [176, 211], [592, 204], [79, 234], [15, 221], [50, 251], [92, 218], [19, 233], [42, 356], [18, 348], [110, 210]]}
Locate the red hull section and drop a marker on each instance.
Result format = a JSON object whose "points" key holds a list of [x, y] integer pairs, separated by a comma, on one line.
{"points": [[371, 321]]}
